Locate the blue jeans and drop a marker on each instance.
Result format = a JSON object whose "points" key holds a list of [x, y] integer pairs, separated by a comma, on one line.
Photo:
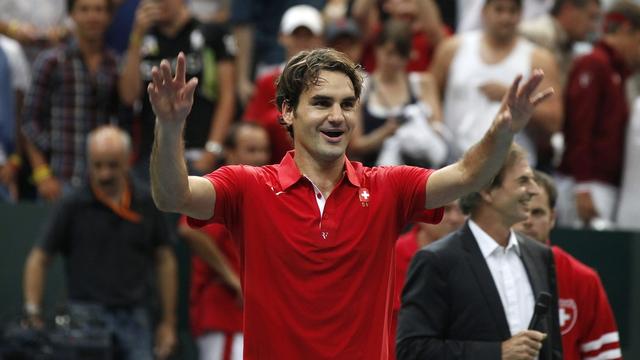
{"points": [[130, 328]]}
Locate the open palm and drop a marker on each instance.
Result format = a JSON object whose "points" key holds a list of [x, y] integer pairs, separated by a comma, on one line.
{"points": [[519, 102], [171, 97]]}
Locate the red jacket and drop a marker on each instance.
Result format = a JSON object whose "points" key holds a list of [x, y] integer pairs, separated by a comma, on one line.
{"points": [[596, 117], [587, 323]]}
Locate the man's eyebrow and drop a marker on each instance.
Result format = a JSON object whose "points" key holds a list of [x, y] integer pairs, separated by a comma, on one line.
{"points": [[329, 98], [321, 98]]}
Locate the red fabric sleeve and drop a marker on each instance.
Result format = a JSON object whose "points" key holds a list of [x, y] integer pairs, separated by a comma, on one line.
{"points": [[411, 187], [600, 334], [227, 182]]}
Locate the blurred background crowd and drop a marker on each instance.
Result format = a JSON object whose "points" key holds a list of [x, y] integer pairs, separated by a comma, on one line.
{"points": [[437, 71]]}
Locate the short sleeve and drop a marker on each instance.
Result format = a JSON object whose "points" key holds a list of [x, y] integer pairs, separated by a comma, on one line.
{"points": [[222, 42], [410, 185], [228, 182]]}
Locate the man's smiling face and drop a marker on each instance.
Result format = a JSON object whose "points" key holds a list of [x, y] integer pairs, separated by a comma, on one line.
{"points": [[324, 119]]}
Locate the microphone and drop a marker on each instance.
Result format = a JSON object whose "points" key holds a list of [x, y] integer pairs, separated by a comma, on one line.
{"points": [[541, 309]]}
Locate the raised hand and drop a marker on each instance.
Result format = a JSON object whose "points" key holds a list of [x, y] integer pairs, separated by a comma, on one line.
{"points": [[519, 102], [171, 97]]}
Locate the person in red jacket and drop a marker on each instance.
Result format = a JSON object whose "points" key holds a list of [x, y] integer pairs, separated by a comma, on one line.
{"points": [[587, 323], [421, 235], [215, 299], [596, 119]]}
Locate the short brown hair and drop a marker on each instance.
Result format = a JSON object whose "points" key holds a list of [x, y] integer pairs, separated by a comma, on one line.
{"points": [[470, 202], [546, 182], [517, 2], [398, 33], [303, 71]]}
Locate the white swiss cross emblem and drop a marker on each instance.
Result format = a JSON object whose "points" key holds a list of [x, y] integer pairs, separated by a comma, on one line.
{"points": [[568, 315], [364, 196]]}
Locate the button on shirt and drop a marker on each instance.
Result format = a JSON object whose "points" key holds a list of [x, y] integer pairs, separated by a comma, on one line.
{"points": [[318, 280], [509, 276]]}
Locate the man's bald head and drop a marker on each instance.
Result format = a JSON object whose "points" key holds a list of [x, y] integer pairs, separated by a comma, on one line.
{"points": [[108, 149]]}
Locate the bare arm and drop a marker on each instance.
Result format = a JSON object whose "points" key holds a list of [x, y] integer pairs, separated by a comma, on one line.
{"points": [[202, 246], [168, 288], [223, 114], [171, 188], [35, 273], [483, 160], [430, 95], [441, 62], [548, 117], [363, 144], [244, 38], [225, 109], [130, 82], [431, 20]]}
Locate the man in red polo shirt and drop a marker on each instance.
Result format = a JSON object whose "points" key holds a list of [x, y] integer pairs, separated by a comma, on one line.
{"points": [[317, 231], [587, 324]]}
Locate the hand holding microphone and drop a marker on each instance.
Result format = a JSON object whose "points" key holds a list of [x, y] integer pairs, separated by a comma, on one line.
{"points": [[526, 345]]}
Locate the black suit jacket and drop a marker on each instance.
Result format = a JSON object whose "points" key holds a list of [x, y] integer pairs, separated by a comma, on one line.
{"points": [[451, 308]]}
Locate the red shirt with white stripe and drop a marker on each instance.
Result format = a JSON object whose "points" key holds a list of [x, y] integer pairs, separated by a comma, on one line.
{"points": [[588, 327], [318, 284]]}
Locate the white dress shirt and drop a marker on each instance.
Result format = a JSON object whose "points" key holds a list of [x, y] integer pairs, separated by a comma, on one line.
{"points": [[510, 277]]}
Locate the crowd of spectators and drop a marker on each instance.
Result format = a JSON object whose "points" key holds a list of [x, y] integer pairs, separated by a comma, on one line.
{"points": [[437, 69]]}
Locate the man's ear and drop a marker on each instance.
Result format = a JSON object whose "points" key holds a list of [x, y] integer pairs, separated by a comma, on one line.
{"points": [[554, 216], [287, 113], [486, 195]]}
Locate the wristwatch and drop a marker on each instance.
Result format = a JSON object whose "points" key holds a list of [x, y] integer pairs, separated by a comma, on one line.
{"points": [[213, 147]]}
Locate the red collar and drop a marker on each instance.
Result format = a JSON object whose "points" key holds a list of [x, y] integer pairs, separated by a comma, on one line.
{"points": [[289, 174]]}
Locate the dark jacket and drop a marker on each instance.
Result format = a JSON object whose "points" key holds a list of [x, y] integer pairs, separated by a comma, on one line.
{"points": [[451, 308]]}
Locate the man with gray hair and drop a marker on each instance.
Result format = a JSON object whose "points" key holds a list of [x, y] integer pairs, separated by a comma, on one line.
{"points": [[112, 238], [471, 295]]}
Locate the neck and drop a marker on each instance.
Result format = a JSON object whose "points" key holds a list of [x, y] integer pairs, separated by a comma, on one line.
{"points": [[423, 239], [90, 47], [173, 27], [493, 225], [325, 175], [389, 77], [619, 46], [497, 43]]}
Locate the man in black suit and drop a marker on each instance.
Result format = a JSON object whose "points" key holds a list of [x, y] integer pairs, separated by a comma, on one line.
{"points": [[471, 295]]}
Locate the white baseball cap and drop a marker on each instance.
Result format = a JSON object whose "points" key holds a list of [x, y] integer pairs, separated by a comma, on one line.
{"points": [[302, 15]]}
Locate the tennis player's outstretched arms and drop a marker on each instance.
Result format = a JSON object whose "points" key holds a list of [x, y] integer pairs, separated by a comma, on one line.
{"points": [[482, 161], [172, 189]]}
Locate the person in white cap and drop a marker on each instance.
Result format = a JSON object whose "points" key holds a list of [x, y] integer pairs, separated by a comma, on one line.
{"points": [[301, 28]]}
